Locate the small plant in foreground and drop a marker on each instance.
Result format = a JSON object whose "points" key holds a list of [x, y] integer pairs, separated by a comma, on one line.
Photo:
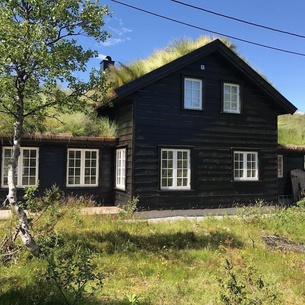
{"points": [[75, 277], [133, 299], [301, 203], [243, 286], [129, 209]]}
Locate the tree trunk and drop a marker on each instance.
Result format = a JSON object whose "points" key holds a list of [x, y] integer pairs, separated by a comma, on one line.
{"points": [[23, 226]]}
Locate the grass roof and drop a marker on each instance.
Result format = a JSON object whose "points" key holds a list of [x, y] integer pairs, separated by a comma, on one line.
{"points": [[123, 73]]}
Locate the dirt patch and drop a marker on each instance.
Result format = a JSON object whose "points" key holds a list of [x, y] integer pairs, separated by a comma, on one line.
{"points": [[282, 243]]}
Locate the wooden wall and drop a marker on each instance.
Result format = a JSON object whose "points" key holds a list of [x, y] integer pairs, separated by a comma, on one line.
{"points": [[52, 170], [124, 122], [292, 159], [160, 121]]}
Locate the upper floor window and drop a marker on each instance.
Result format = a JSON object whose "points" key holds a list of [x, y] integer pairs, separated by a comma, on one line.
{"points": [[27, 167], [192, 93], [245, 166], [120, 169], [231, 98], [175, 169], [82, 167], [280, 166]]}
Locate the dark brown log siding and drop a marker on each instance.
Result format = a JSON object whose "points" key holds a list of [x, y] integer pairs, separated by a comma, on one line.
{"points": [[53, 168], [213, 135], [124, 121]]}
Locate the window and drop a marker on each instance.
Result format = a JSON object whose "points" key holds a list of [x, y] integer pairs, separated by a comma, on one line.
{"points": [[27, 167], [82, 167], [231, 98], [192, 94], [175, 169], [280, 172], [120, 169], [245, 166]]}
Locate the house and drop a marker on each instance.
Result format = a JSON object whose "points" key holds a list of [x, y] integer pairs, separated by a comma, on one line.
{"points": [[79, 166], [198, 132]]}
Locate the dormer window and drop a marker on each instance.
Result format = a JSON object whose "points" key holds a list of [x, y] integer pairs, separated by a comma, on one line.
{"points": [[231, 98], [193, 94]]}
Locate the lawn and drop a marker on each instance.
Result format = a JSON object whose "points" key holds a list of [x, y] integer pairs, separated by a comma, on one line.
{"points": [[211, 261]]}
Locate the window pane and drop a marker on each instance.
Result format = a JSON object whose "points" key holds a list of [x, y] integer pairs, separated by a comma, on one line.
{"points": [[82, 167], [26, 171], [175, 169], [192, 93], [245, 166], [120, 168], [231, 98]]}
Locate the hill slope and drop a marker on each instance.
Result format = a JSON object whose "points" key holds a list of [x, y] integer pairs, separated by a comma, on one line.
{"points": [[291, 129]]}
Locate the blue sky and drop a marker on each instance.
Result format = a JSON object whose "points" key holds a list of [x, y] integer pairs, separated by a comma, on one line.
{"points": [[136, 34]]}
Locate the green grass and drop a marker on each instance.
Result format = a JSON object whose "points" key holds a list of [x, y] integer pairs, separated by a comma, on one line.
{"points": [[165, 263], [291, 129]]}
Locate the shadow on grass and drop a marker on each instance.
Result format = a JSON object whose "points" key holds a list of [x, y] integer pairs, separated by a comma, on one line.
{"points": [[123, 241], [40, 292]]}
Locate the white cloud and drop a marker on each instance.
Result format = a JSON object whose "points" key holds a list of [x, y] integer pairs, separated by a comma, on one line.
{"points": [[111, 42], [114, 41], [118, 31]]}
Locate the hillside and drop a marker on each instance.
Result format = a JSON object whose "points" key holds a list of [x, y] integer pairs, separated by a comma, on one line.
{"points": [[291, 129]]}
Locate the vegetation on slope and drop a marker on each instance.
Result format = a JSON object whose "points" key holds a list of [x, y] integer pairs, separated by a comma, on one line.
{"points": [[210, 261], [291, 129], [123, 73], [76, 124]]}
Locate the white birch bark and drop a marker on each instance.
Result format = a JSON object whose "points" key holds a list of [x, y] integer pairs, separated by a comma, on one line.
{"points": [[23, 227]]}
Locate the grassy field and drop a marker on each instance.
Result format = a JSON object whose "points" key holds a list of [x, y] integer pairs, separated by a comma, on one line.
{"points": [[291, 129], [214, 261]]}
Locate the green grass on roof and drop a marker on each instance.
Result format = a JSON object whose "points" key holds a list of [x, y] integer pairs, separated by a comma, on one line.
{"points": [[123, 73]]}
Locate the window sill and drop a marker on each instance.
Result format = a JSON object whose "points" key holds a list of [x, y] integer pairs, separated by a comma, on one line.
{"points": [[242, 181], [81, 186], [175, 190]]}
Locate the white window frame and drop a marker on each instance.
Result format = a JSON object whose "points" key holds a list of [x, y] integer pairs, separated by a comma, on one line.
{"points": [[83, 168], [280, 166], [230, 98], [192, 95], [169, 171], [21, 168], [243, 169], [120, 169]]}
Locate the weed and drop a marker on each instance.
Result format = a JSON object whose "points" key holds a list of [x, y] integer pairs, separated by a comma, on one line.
{"points": [[133, 299], [243, 285], [128, 210], [75, 277]]}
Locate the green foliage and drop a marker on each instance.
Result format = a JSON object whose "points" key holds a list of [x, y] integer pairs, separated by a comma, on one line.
{"points": [[133, 299], [81, 124], [291, 129], [146, 262], [74, 276], [128, 210], [301, 203], [39, 48], [244, 286]]}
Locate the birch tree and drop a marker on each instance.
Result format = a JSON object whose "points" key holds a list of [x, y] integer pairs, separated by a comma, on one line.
{"points": [[39, 49]]}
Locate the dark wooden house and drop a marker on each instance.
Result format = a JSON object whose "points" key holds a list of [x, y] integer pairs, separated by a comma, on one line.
{"points": [[201, 131], [79, 166], [290, 158]]}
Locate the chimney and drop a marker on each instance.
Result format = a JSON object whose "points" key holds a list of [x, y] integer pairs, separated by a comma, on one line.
{"points": [[105, 63]]}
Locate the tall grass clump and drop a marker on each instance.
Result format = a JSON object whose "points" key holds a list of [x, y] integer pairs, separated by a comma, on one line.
{"points": [[291, 129]]}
